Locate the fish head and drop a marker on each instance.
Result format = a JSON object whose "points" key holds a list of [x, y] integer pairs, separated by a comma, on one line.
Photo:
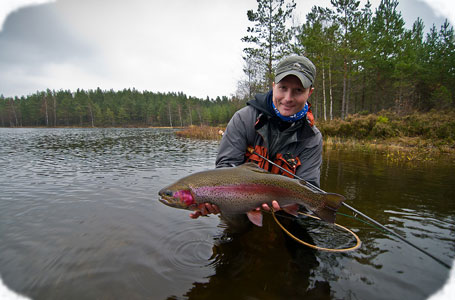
{"points": [[178, 198]]}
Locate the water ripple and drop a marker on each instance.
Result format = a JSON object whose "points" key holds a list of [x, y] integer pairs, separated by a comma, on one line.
{"points": [[79, 218], [187, 248]]}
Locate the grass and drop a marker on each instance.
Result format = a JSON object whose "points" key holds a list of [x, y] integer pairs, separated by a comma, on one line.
{"points": [[435, 126], [395, 150], [416, 136]]}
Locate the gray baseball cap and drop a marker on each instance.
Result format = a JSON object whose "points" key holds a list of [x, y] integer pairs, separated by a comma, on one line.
{"points": [[299, 66]]}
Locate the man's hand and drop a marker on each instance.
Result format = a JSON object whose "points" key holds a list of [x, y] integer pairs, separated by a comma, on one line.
{"points": [[290, 209], [266, 207], [204, 209], [207, 208]]}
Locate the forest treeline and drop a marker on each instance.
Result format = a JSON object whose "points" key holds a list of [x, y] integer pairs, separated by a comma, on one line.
{"points": [[367, 61], [99, 108]]}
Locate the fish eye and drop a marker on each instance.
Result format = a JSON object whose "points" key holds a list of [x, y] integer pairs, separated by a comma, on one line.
{"points": [[168, 193]]}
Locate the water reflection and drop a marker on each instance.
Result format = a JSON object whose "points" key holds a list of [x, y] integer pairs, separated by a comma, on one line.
{"points": [[79, 218], [261, 263]]}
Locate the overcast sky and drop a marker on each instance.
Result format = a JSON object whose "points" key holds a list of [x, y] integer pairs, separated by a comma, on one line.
{"points": [[192, 46]]}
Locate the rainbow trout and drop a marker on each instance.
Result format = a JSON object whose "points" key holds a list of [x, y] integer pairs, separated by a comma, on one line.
{"points": [[241, 189]]}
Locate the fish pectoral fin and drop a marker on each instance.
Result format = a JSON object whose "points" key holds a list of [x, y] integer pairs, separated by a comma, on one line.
{"points": [[255, 217], [292, 209]]}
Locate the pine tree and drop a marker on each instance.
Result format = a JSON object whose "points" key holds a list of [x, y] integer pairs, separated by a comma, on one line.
{"points": [[347, 16], [386, 40], [269, 35]]}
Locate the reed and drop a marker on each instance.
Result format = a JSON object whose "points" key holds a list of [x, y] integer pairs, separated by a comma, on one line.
{"points": [[202, 132]]}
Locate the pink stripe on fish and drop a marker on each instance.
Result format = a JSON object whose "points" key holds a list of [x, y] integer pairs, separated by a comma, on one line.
{"points": [[239, 189]]}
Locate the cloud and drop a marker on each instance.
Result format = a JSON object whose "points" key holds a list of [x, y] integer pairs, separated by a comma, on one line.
{"points": [[192, 47], [189, 46], [39, 34], [33, 39], [8, 6], [443, 8]]}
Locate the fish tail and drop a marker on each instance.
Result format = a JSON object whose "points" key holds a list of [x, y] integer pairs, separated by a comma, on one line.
{"points": [[331, 203]]}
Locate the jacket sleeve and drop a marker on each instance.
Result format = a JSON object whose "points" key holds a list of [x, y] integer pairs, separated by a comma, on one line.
{"points": [[233, 145], [311, 161]]}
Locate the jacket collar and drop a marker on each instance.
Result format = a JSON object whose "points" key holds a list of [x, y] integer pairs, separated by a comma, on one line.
{"points": [[262, 102]]}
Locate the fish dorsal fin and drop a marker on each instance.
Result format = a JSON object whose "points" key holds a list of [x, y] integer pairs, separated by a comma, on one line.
{"points": [[253, 167]]}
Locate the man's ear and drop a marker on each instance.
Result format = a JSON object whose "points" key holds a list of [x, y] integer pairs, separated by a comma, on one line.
{"points": [[311, 91]]}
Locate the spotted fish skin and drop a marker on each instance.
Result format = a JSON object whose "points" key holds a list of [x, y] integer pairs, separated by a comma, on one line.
{"points": [[241, 189]]}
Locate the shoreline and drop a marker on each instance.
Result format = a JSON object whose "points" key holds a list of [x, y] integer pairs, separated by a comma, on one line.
{"points": [[90, 127], [408, 148], [397, 148], [392, 149]]}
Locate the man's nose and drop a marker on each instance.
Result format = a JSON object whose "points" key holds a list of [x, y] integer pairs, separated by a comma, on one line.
{"points": [[288, 95]]}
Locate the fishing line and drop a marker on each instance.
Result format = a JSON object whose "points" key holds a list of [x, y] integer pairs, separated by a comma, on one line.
{"points": [[363, 221], [311, 186], [357, 245], [338, 213]]}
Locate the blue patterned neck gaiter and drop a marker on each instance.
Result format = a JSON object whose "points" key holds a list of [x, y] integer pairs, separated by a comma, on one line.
{"points": [[297, 116]]}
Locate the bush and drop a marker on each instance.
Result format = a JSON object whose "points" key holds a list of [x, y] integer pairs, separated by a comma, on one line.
{"points": [[362, 125], [446, 131], [383, 130], [382, 119], [414, 125], [386, 124]]}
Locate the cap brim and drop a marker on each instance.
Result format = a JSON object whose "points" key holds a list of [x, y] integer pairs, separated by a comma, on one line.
{"points": [[306, 83]]}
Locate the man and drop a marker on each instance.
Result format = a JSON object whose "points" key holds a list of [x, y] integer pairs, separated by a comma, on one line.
{"points": [[278, 125]]}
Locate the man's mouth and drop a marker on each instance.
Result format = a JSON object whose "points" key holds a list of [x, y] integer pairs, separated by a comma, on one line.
{"points": [[287, 108]]}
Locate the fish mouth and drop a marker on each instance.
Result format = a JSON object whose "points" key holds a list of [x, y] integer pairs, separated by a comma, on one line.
{"points": [[170, 201], [167, 201], [166, 197], [178, 199], [164, 201]]}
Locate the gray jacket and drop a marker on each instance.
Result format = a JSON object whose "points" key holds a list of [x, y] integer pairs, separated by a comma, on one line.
{"points": [[257, 124]]}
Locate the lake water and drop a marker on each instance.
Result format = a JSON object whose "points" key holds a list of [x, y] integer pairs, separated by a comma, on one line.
{"points": [[79, 219]]}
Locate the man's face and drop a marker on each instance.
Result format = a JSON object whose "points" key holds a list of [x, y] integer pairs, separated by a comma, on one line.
{"points": [[289, 96]]}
